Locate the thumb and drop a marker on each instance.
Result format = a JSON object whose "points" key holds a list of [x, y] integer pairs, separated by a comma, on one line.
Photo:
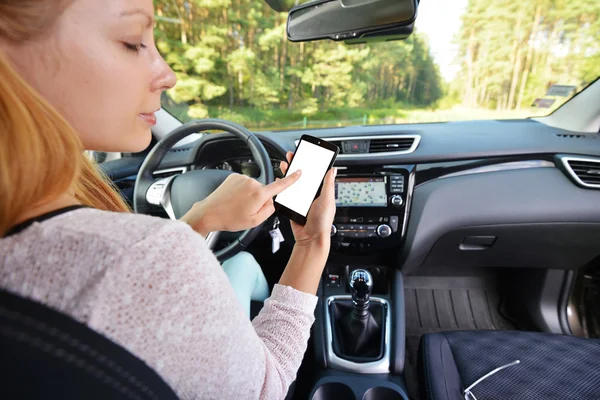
{"points": [[265, 212], [282, 184]]}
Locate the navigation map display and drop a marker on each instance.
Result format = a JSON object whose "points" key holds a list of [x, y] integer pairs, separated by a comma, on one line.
{"points": [[360, 192]]}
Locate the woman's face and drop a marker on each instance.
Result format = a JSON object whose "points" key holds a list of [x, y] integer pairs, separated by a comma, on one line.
{"points": [[100, 68]]}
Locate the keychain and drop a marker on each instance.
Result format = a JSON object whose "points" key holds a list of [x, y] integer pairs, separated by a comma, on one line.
{"points": [[276, 236]]}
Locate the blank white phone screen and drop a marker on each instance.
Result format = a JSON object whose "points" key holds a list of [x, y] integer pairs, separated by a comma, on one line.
{"points": [[313, 160]]}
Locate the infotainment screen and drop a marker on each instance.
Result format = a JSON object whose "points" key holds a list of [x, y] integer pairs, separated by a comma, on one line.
{"points": [[360, 192]]}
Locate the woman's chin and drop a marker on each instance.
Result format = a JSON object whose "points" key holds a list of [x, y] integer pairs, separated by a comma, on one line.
{"points": [[141, 143], [138, 140], [132, 144]]}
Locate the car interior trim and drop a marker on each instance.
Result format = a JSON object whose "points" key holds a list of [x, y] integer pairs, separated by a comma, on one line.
{"points": [[409, 194], [507, 166], [181, 170]]}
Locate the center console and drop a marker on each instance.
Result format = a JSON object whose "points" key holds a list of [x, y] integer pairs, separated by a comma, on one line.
{"points": [[359, 333], [372, 207], [359, 337]]}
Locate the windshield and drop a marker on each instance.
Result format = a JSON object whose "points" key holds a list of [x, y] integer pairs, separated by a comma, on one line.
{"points": [[467, 59]]}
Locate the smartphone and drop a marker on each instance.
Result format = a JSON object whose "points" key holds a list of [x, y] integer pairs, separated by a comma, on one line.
{"points": [[314, 157]]}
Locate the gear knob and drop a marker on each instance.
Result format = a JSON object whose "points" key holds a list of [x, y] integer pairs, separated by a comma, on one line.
{"points": [[361, 284]]}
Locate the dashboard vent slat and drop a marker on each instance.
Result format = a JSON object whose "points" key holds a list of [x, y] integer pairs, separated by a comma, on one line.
{"points": [[585, 171], [575, 136], [393, 144]]}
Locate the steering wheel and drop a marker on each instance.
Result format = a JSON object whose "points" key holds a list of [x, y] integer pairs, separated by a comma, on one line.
{"points": [[177, 194]]}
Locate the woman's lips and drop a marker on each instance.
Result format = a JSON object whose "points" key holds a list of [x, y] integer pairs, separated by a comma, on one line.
{"points": [[150, 119]]}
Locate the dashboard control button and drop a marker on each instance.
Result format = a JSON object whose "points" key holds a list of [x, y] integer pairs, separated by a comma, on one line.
{"points": [[396, 201], [394, 223], [384, 231], [333, 280]]}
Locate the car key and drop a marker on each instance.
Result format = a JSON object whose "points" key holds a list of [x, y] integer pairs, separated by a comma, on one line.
{"points": [[276, 236]]}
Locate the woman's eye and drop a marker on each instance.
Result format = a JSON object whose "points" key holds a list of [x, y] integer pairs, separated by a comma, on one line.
{"points": [[134, 47]]}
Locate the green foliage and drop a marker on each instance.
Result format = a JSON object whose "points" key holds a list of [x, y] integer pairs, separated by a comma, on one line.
{"points": [[233, 61], [234, 55], [511, 51]]}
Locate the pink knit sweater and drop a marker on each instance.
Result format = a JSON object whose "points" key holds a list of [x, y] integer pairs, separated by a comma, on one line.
{"points": [[153, 286]]}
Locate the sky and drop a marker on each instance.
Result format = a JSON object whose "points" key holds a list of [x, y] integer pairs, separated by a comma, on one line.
{"points": [[440, 21]]}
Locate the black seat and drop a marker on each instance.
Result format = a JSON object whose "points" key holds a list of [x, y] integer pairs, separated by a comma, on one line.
{"points": [[551, 366], [47, 355]]}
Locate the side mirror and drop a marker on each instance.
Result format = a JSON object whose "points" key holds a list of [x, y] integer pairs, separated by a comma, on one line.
{"points": [[352, 21]]}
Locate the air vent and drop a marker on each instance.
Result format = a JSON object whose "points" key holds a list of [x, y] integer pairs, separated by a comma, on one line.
{"points": [[374, 146], [393, 144], [180, 150], [165, 173], [585, 171], [575, 136]]}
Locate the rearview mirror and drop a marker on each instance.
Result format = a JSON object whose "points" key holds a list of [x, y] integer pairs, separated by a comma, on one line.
{"points": [[353, 21]]}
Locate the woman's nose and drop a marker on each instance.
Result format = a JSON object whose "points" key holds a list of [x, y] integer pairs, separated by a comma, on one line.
{"points": [[165, 78]]}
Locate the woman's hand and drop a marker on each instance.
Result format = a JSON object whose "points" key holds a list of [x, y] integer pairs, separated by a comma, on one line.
{"points": [[313, 240], [317, 231], [239, 203]]}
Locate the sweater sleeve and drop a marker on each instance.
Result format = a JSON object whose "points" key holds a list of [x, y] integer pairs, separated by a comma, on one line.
{"points": [[169, 302]]}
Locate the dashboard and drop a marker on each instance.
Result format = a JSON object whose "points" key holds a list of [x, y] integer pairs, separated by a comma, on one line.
{"points": [[478, 193]]}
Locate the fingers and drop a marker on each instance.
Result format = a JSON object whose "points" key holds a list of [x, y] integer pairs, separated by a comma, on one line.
{"points": [[265, 212], [280, 185], [328, 191], [283, 166]]}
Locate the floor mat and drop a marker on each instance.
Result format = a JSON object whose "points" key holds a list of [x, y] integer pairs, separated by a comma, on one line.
{"points": [[436, 304]]}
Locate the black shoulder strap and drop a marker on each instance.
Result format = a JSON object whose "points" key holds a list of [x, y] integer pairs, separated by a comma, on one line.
{"points": [[46, 354]]}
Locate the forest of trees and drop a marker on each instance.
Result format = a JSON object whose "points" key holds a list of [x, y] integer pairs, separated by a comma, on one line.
{"points": [[233, 55], [233, 61], [512, 51]]}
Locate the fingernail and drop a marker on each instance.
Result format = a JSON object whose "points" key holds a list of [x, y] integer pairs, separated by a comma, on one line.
{"points": [[334, 172], [298, 172]]}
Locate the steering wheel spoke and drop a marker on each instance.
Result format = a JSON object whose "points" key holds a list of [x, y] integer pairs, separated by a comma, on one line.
{"points": [[159, 194]]}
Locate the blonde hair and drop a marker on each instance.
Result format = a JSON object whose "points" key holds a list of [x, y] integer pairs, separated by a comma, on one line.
{"points": [[41, 156]]}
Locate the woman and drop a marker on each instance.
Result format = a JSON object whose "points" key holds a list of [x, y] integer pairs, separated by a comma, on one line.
{"points": [[90, 77]]}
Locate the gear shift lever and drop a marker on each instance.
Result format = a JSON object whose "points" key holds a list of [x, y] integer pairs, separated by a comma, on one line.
{"points": [[358, 326], [361, 285]]}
